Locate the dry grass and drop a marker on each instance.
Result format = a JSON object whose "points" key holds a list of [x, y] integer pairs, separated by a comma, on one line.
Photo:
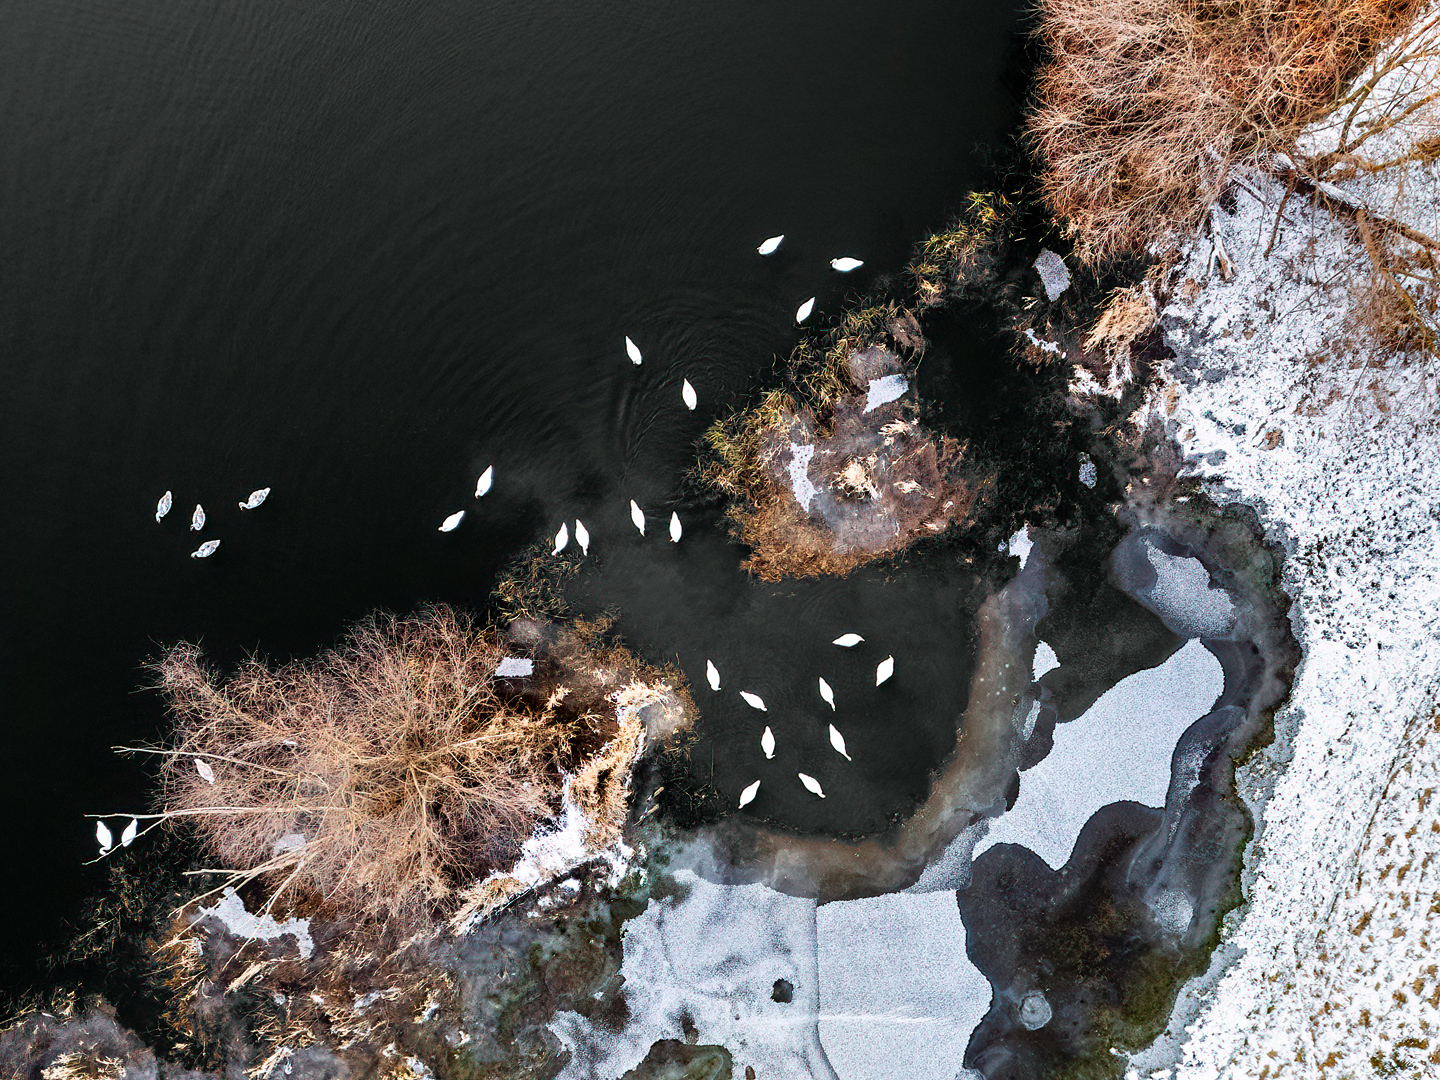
{"points": [[391, 771], [963, 252], [1146, 105]]}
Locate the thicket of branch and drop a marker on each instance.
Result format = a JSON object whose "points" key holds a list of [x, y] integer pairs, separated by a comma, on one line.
{"points": [[389, 772], [1145, 105]]}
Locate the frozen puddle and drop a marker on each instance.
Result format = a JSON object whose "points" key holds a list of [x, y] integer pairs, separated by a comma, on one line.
{"points": [[713, 955], [884, 390], [898, 996], [1119, 750]]}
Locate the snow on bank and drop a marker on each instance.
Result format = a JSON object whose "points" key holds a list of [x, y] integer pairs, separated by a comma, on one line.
{"points": [[1331, 969]]}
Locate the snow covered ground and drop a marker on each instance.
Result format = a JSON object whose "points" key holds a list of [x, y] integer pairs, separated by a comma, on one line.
{"points": [[1330, 968]]}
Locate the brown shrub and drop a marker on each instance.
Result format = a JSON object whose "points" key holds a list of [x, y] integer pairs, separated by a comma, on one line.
{"points": [[392, 770], [1146, 104]]}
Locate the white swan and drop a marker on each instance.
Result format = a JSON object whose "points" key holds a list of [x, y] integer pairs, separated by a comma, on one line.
{"points": [[103, 835], [206, 773], [197, 519], [748, 795], [561, 538], [637, 516], [163, 506], [769, 247], [205, 550], [688, 395], [827, 694], [128, 836], [755, 701], [811, 784], [258, 496], [632, 350], [487, 479], [848, 641], [803, 311], [767, 742], [884, 669], [675, 530], [582, 537], [453, 521], [845, 264], [712, 674], [838, 742]]}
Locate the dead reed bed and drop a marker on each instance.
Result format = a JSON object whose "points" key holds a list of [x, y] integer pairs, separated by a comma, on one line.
{"points": [[382, 777], [1145, 106]]}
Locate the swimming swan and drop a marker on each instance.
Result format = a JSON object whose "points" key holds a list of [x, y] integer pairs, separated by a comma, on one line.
{"points": [[769, 247], [827, 694], [633, 351], [803, 311], [197, 519], [258, 496], [453, 521], [205, 550], [884, 669], [755, 701], [811, 784], [487, 478], [582, 537], [748, 795], [712, 674], [767, 742], [637, 516], [675, 530], [562, 538], [163, 506], [848, 641], [838, 742], [846, 264], [688, 395]]}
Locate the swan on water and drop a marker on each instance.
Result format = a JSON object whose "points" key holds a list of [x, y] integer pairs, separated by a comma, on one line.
{"points": [[675, 529], [637, 516], [767, 742], [847, 641], [197, 519], [206, 773], [205, 550], [487, 478], [845, 264], [827, 694], [128, 836], [748, 795], [712, 673], [453, 521], [770, 246], [258, 496], [803, 311], [561, 538], [632, 350], [811, 784], [582, 537], [163, 506], [688, 395], [884, 669], [755, 701], [838, 742], [103, 835]]}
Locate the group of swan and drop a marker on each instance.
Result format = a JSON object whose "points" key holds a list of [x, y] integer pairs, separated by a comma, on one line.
{"points": [[197, 521], [107, 839], [842, 265], [883, 672]]}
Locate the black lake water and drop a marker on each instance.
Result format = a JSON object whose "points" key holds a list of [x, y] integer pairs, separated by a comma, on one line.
{"points": [[359, 251]]}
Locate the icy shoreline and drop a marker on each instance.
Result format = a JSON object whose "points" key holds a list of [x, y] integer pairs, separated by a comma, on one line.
{"points": [[1328, 964]]}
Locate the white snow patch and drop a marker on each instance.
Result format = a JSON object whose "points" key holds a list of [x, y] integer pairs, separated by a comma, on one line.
{"points": [[515, 666], [1183, 597], [805, 491], [1044, 345], [230, 910], [898, 995], [1045, 660], [713, 952], [884, 390], [1119, 750], [1054, 274], [1020, 544]]}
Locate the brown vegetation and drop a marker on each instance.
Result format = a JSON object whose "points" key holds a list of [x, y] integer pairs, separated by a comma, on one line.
{"points": [[384, 776], [876, 480], [1146, 105]]}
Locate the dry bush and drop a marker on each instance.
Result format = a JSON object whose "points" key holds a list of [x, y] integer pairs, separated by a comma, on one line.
{"points": [[1145, 105], [392, 770]]}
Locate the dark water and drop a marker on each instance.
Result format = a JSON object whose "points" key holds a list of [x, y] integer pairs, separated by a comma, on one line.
{"points": [[360, 251]]}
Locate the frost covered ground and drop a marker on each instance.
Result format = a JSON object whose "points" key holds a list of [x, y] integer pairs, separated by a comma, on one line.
{"points": [[1330, 968]]}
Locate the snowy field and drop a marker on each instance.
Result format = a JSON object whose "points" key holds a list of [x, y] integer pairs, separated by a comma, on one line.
{"points": [[1330, 967]]}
